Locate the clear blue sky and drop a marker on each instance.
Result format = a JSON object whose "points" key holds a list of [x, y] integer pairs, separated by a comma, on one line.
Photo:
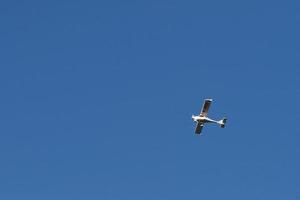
{"points": [[97, 97]]}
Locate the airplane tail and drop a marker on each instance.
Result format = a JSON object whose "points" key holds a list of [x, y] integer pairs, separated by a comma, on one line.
{"points": [[223, 122]]}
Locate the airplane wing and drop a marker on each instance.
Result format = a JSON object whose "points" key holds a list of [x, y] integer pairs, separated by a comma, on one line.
{"points": [[205, 107], [199, 128]]}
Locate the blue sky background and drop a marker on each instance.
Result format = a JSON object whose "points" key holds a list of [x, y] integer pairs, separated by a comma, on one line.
{"points": [[96, 100]]}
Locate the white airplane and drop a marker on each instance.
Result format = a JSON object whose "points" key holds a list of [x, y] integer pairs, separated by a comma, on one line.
{"points": [[202, 118]]}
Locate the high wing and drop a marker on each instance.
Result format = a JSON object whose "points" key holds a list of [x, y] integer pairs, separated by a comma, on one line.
{"points": [[205, 107], [199, 128]]}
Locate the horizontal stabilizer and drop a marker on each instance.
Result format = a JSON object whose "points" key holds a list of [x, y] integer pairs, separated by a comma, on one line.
{"points": [[223, 122]]}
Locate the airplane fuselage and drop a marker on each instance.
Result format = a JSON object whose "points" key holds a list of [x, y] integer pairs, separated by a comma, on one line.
{"points": [[202, 119]]}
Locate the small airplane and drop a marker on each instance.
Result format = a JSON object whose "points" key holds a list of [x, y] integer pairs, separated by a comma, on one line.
{"points": [[202, 118]]}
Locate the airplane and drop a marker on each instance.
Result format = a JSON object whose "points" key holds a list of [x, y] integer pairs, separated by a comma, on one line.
{"points": [[202, 118]]}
